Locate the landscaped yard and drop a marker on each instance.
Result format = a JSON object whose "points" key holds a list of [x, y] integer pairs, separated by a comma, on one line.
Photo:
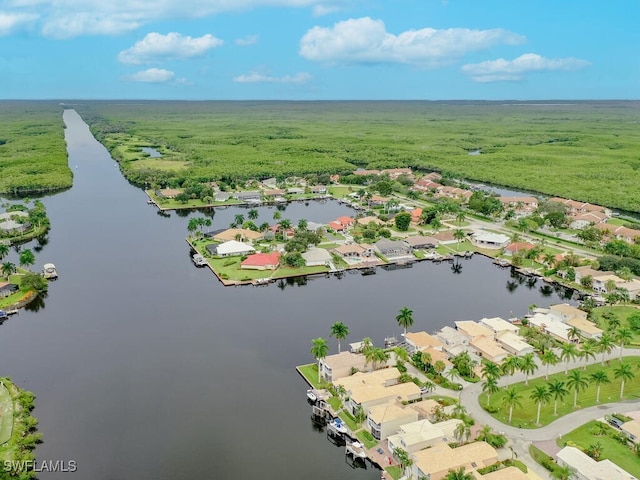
{"points": [[622, 313], [525, 415], [310, 372], [612, 449]]}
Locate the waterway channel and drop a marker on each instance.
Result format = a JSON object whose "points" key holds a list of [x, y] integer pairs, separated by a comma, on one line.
{"points": [[145, 367]]}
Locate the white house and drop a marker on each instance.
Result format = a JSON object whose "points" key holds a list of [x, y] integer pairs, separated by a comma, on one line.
{"points": [[231, 248], [490, 240], [586, 468]]}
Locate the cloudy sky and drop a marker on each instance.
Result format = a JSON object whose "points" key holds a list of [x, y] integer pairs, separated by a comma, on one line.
{"points": [[319, 49]]}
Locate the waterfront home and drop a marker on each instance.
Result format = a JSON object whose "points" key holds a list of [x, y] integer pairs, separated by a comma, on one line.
{"points": [[455, 193], [252, 196], [626, 234], [421, 242], [367, 396], [222, 196], [319, 189], [586, 468], [490, 240], [392, 248], [339, 365], [14, 222], [575, 208], [261, 261], [384, 377], [519, 204], [270, 182], [415, 436], [445, 238], [425, 184], [435, 463], [451, 337], [377, 200], [384, 420], [499, 325], [518, 247], [471, 329], [552, 325], [346, 221], [418, 341], [394, 173], [632, 430], [274, 194], [230, 248], [168, 193], [438, 355], [288, 233], [361, 172], [585, 220], [489, 349], [295, 191], [587, 271], [314, 226], [364, 221], [239, 234], [7, 289], [315, 257], [514, 343], [566, 312], [355, 250], [337, 226], [632, 287], [587, 329]]}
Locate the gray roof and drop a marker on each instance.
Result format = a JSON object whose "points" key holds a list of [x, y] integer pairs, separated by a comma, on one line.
{"points": [[385, 245], [316, 255]]}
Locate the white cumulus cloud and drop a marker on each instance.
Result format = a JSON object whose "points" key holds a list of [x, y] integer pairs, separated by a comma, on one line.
{"points": [[156, 47], [364, 40], [257, 77], [502, 70], [246, 41], [9, 22], [153, 75]]}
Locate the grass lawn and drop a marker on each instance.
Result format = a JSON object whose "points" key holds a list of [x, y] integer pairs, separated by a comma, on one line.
{"points": [[622, 313], [525, 415], [335, 402], [310, 373], [349, 420], [394, 471], [339, 191], [366, 439], [6, 415], [613, 450]]}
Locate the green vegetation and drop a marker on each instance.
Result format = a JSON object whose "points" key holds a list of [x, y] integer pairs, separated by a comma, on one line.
{"points": [[546, 461], [33, 153], [367, 439], [626, 316], [394, 471], [525, 409], [599, 439], [586, 151], [310, 373]]}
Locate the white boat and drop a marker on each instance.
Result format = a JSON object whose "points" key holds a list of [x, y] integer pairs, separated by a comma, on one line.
{"points": [[338, 425], [311, 395], [49, 271], [199, 260]]}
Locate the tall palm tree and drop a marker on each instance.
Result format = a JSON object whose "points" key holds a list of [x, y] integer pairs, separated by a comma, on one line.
{"points": [[192, 226], [510, 365], [577, 381], [285, 224], [253, 214], [4, 251], [405, 319], [527, 366], [599, 377], [541, 395], [239, 219], [302, 224], [490, 386], [459, 235], [401, 354], [340, 331], [277, 215], [27, 258], [548, 358], [588, 350], [623, 337], [605, 345], [568, 352], [574, 334], [512, 398], [459, 474], [623, 372], [319, 350], [460, 217], [462, 432], [380, 357], [558, 391], [403, 457], [8, 268], [490, 369]]}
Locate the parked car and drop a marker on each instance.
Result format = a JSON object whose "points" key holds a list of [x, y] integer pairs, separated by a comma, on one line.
{"points": [[615, 422]]}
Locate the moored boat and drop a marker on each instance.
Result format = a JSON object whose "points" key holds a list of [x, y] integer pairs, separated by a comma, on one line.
{"points": [[49, 271]]}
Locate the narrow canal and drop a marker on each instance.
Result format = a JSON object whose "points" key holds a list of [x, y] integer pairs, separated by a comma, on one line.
{"points": [[147, 368]]}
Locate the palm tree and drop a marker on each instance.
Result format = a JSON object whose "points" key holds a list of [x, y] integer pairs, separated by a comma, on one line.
{"points": [[462, 432], [613, 322], [239, 219], [4, 251], [401, 354], [577, 381], [568, 352], [623, 337], [253, 214], [285, 224], [302, 224], [605, 345], [574, 334], [548, 358], [623, 372], [459, 235], [588, 350], [528, 366], [558, 391], [8, 268], [404, 459], [490, 369], [192, 226], [319, 350], [599, 377], [484, 433], [512, 398], [405, 319], [541, 395], [359, 415], [340, 331], [510, 365], [459, 474], [490, 386], [532, 307], [380, 357], [460, 217], [27, 258], [277, 215]]}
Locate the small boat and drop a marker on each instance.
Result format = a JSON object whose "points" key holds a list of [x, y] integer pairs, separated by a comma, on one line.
{"points": [[311, 395], [338, 425], [3, 315], [356, 449], [49, 271], [198, 260]]}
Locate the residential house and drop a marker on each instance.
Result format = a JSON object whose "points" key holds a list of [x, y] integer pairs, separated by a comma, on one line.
{"points": [[499, 325], [438, 355], [168, 192], [632, 287], [313, 226], [392, 248], [394, 173], [418, 341], [632, 430], [415, 215], [364, 221], [513, 343], [385, 377], [566, 312], [13, 222], [453, 192], [362, 172], [470, 330], [575, 208], [415, 436], [261, 261], [377, 201], [288, 233], [334, 178], [7, 289], [420, 242], [355, 250], [552, 325], [221, 196], [275, 194], [587, 329], [239, 234], [384, 420], [519, 204], [490, 240], [450, 337], [367, 396], [585, 220], [230, 248], [518, 247], [340, 365], [315, 257], [319, 189], [509, 473], [587, 271], [586, 468], [337, 226], [295, 191], [252, 196], [348, 222], [623, 233], [426, 184], [489, 349], [445, 238], [435, 463], [270, 182]]}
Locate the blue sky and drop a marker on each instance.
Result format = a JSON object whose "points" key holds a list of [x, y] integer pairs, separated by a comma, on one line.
{"points": [[319, 49]]}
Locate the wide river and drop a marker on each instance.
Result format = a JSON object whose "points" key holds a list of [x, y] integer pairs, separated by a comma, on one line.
{"points": [[145, 367]]}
